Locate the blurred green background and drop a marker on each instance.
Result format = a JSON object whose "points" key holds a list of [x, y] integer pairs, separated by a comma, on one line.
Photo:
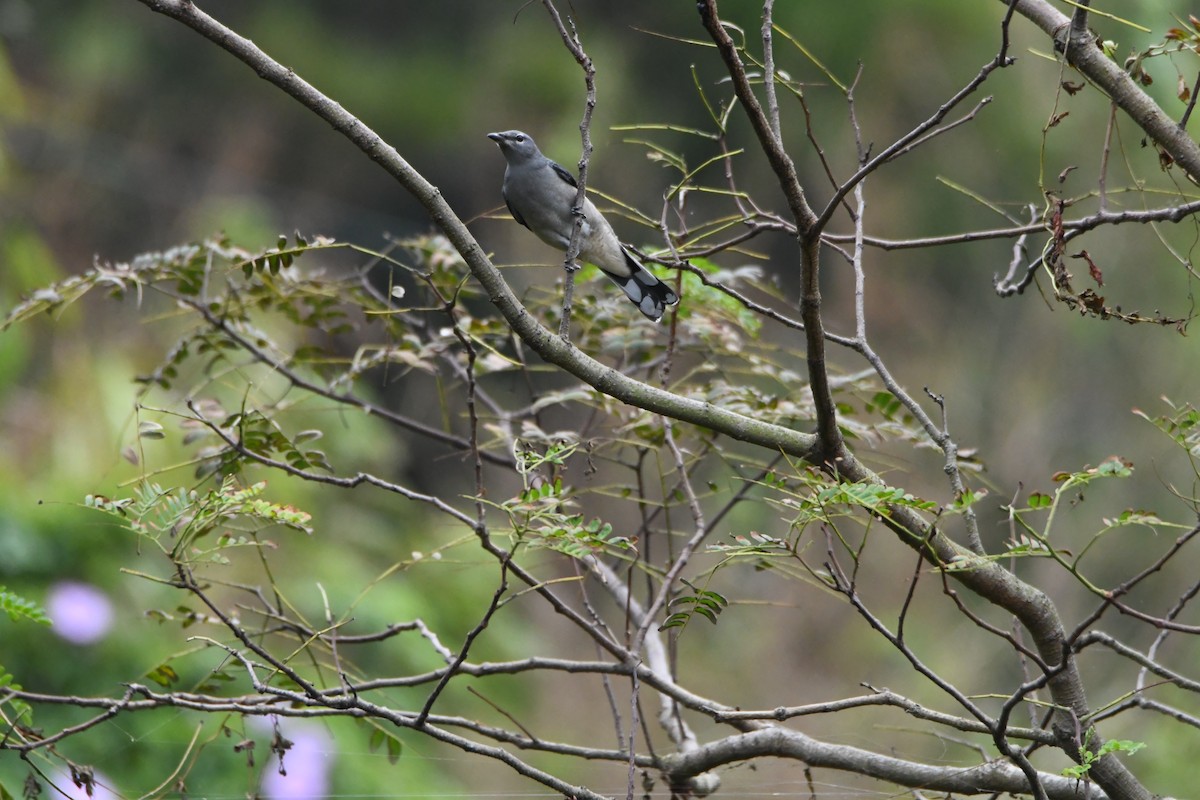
{"points": [[121, 131]]}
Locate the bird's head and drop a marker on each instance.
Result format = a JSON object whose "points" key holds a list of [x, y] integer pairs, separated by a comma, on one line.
{"points": [[515, 145]]}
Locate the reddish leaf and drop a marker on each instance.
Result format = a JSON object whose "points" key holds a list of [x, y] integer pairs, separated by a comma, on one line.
{"points": [[1093, 270]]}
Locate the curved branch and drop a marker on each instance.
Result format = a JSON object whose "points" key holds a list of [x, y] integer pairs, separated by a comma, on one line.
{"points": [[1083, 54], [808, 227], [546, 344], [1035, 610], [1072, 228], [886, 697], [993, 777]]}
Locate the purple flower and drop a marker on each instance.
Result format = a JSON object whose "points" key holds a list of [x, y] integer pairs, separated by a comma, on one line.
{"points": [[79, 791], [306, 763], [81, 613]]}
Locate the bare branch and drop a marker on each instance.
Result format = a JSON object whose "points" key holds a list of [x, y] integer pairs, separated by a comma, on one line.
{"points": [[993, 777], [886, 697], [1083, 53], [571, 40], [829, 437]]}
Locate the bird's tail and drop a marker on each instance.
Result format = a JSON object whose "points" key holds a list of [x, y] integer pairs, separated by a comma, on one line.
{"points": [[647, 292]]}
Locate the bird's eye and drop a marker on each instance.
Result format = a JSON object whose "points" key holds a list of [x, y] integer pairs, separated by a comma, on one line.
{"points": [[519, 138]]}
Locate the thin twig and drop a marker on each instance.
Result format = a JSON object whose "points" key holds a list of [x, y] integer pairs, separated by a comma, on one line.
{"points": [[571, 40], [685, 553], [769, 70], [1187, 114], [452, 670], [902, 145]]}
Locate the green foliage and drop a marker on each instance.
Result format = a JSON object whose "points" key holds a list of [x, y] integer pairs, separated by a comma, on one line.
{"points": [[1036, 540], [184, 267], [1113, 467], [1039, 500], [886, 404], [755, 545], [1088, 758], [18, 608], [392, 746], [261, 436], [1182, 425], [13, 711], [869, 496], [164, 675], [1069, 483], [175, 519], [261, 325], [840, 499], [810, 498], [539, 517], [706, 603]]}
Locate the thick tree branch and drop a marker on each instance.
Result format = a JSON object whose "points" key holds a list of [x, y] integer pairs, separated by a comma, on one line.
{"points": [[991, 778], [984, 577], [1032, 607], [829, 436], [545, 343], [1037, 614], [1083, 54]]}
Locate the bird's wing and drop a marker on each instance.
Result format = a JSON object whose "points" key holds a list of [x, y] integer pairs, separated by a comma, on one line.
{"points": [[562, 173], [514, 213]]}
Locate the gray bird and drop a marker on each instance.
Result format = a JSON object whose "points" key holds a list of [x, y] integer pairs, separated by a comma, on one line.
{"points": [[540, 195]]}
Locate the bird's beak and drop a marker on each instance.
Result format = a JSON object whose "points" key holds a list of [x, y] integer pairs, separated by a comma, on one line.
{"points": [[496, 137]]}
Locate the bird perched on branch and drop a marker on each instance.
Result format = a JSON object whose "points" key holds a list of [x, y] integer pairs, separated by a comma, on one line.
{"points": [[540, 195]]}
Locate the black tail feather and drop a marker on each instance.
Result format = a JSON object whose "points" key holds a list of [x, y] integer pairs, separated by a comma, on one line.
{"points": [[645, 291]]}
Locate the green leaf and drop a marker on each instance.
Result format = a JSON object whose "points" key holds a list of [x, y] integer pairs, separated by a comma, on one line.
{"points": [[18, 608], [707, 604], [1088, 758], [164, 675], [675, 621], [1112, 467], [380, 737], [886, 404], [1115, 466], [968, 498], [1121, 746]]}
